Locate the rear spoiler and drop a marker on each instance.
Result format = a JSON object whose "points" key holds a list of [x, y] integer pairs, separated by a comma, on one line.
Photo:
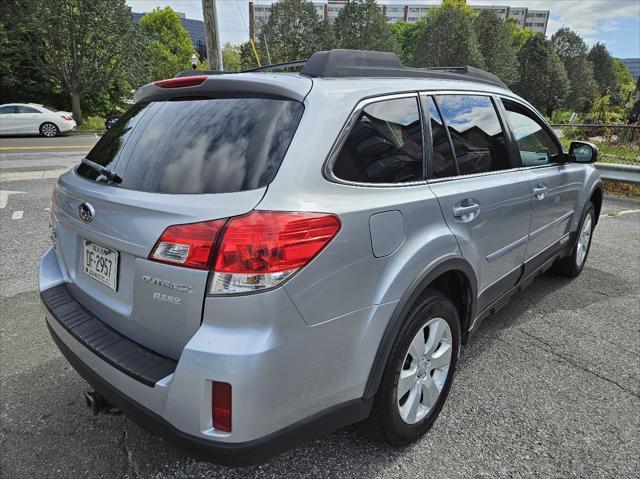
{"points": [[230, 85]]}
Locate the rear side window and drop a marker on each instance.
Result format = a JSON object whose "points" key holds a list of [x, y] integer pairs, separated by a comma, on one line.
{"points": [[384, 145], [476, 133], [26, 109], [193, 146]]}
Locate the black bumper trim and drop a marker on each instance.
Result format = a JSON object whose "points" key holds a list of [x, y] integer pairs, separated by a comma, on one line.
{"points": [[134, 360], [228, 454]]}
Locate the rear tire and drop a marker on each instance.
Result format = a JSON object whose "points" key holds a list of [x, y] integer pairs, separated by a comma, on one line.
{"points": [[572, 265], [419, 372], [49, 130]]}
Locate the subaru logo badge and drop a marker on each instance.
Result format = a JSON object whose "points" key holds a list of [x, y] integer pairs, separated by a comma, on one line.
{"points": [[86, 212]]}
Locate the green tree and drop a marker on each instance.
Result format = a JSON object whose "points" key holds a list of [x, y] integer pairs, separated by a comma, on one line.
{"points": [[361, 25], [448, 38], [603, 70], [81, 48], [519, 36], [543, 79], [572, 50], [293, 32], [169, 46], [231, 57], [626, 84], [407, 35], [494, 39]]}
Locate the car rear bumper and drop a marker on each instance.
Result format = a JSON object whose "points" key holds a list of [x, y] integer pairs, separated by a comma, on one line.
{"points": [[66, 126], [289, 385], [232, 454]]}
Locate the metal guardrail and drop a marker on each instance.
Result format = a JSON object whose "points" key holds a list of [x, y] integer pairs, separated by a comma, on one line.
{"points": [[615, 172]]}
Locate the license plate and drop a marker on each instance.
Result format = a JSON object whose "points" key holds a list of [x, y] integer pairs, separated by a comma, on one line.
{"points": [[101, 264]]}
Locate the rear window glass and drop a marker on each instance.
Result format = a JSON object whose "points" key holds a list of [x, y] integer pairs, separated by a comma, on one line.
{"points": [[194, 146]]}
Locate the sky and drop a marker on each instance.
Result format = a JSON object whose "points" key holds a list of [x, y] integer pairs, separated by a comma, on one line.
{"points": [[614, 22]]}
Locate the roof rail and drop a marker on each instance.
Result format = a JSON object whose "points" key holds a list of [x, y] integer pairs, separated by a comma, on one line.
{"points": [[278, 67], [362, 63]]}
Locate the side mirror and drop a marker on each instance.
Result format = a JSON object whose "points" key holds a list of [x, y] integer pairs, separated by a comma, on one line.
{"points": [[583, 152]]}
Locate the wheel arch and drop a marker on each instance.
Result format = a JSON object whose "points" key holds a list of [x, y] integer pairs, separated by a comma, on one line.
{"points": [[453, 277], [596, 198]]}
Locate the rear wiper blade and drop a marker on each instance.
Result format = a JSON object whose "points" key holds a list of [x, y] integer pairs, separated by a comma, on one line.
{"points": [[111, 176]]}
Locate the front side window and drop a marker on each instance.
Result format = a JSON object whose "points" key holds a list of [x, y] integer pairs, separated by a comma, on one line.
{"points": [[384, 145], [7, 110], [536, 146], [476, 133]]}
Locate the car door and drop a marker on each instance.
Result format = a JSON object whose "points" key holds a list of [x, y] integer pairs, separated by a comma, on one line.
{"points": [[485, 199], [556, 186], [29, 119], [8, 124]]}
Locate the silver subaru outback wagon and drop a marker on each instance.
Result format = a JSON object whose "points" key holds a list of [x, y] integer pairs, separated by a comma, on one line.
{"points": [[246, 261]]}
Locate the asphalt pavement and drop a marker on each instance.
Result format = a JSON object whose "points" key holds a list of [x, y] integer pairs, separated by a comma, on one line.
{"points": [[550, 386]]}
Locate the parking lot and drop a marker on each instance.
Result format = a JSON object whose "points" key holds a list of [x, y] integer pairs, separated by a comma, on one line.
{"points": [[549, 387]]}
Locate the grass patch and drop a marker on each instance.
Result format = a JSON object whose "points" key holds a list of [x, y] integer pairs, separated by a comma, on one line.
{"points": [[92, 123]]}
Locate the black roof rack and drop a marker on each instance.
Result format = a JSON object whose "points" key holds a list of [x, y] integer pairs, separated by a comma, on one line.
{"points": [[362, 63], [276, 67]]}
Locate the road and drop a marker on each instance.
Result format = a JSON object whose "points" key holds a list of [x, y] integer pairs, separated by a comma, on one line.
{"points": [[550, 386]]}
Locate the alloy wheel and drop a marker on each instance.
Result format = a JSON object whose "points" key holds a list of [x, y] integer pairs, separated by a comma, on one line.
{"points": [[49, 129], [584, 240], [424, 371]]}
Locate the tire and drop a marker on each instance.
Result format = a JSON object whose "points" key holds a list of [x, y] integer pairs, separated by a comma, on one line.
{"points": [[49, 130], [572, 265], [391, 416]]}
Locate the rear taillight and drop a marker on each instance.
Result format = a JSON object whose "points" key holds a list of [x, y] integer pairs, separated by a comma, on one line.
{"points": [[66, 117], [189, 245], [256, 251], [221, 406], [181, 81], [263, 248]]}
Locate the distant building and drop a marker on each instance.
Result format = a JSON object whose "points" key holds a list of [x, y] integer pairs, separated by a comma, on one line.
{"points": [[633, 66], [196, 31], [536, 20]]}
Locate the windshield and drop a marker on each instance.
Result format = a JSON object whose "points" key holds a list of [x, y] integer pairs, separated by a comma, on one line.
{"points": [[198, 145]]}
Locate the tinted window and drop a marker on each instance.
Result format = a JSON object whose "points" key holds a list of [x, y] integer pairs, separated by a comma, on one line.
{"points": [[384, 145], [536, 146], [443, 163], [476, 133], [26, 109], [5, 110], [200, 145], [106, 151]]}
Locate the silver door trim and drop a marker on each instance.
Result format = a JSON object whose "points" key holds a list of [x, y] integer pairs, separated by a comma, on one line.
{"points": [[542, 229], [505, 249]]}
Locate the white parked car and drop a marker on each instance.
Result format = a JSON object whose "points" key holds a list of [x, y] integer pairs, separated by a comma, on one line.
{"points": [[25, 118]]}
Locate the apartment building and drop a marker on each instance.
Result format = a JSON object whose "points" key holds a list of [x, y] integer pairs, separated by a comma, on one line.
{"points": [[536, 20]]}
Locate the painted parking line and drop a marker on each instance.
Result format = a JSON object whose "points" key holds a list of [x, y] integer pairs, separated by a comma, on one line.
{"points": [[54, 147], [17, 215], [614, 214], [32, 175]]}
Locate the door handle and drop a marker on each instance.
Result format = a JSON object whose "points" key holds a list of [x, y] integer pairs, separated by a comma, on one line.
{"points": [[466, 213], [539, 191]]}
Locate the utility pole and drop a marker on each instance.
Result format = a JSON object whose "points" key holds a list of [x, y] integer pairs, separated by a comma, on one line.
{"points": [[214, 52]]}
